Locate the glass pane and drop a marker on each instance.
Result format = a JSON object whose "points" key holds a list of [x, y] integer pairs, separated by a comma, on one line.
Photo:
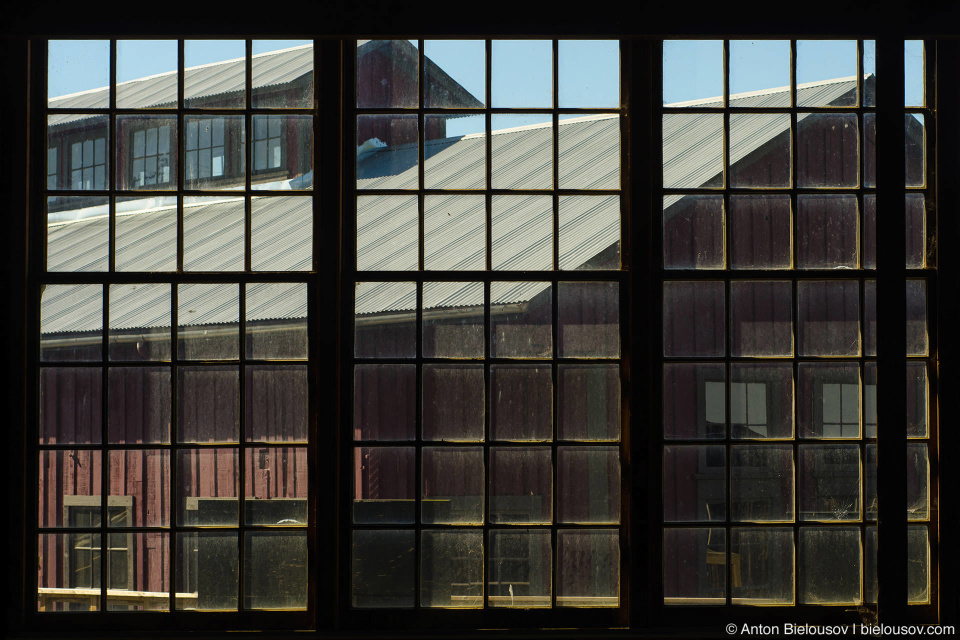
{"points": [[282, 74], [694, 566], [760, 232], [78, 74], [522, 232], [275, 570], [762, 566], [70, 405], [276, 400], [139, 322], [761, 67], [694, 401], [520, 324], [453, 320], [70, 489], [209, 321], [521, 402], [68, 563], [461, 83], [220, 164], [692, 150], [452, 481], [870, 73], [208, 570], [827, 154], [870, 317], [521, 151], [522, 73], [276, 326], [373, 587], [78, 234], [828, 318], [451, 569], [916, 232], [590, 232], [918, 481], [276, 485], [693, 319], [142, 479], [142, 585], [146, 237], [139, 405], [829, 565], [750, 132], [913, 72], [146, 152], [870, 470], [384, 402], [917, 400], [208, 486], [588, 402], [760, 318], [761, 400], [918, 564], [387, 233], [589, 319], [692, 73], [829, 482], [283, 155], [761, 483], [521, 485], [387, 73], [829, 400], [589, 151], [453, 403], [694, 483], [208, 404], [588, 484], [71, 322], [455, 151], [827, 232], [384, 485], [215, 74], [385, 322], [589, 73], [870, 150], [213, 233], [917, 318], [387, 152], [281, 237], [454, 232], [693, 232], [520, 568], [824, 70], [588, 568]]}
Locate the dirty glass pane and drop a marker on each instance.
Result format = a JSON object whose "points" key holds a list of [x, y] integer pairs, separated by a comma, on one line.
{"points": [[146, 152], [452, 485], [454, 232], [276, 323], [463, 62], [214, 152], [276, 485], [70, 405], [761, 400], [142, 585], [281, 237], [828, 400], [913, 71], [455, 151], [74, 222], [693, 232], [694, 483], [917, 317], [207, 571], [67, 310], [142, 478], [693, 319], [295, 93], [453, 402], [588, 402], [521, 402], [761, 483], [692, 73], [589, 319], [141, 223], [385, 321], [918, 404], [387, 151], [589, 73], [275, 570], [213, 233], [383, 569], [208, 404], [451, 569], [829, 565], [762, 566], [918, 481], [916, 232], [760, 232], [588, 568], [208, 486], [915, 150], [282, 152], [829, 480], [520, 568], [761, 67], [521, 148], [139, 322], [522, 73], [78, 74], [384, 485], [760, 318], [215, 74], [694, 566], [589, 151], [828, 318], [870, 73], [70, 488], [521, 485], [520, 324], [452, 320], [522, 232], [276, 400], [588, 480], [827, 232], [387, 74], [693, 150], [387, 233], [208, 318], [694, 401], [384, 401], [826, 73], [750, 131], [827, 150], [139, 405], [589, 232], [68, 562]]}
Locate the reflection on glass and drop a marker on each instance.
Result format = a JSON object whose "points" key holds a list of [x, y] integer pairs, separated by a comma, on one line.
{"points": [[384, 485], [761, 483], [387, 233], [588, 402], [827, 232], [452, 320], [692, 150], [693, 232], [760, 318], [694, 483], [588, 568], [520, 568], [384, 402], [828, 318], [762, 565], [520, 324], [829, 481], [208, 404], [70, 488], [208, 567], [522, 232], [276, 403], [827, 150], [139, 405], [451, 569], [589, 319], [139, 322], [588, 480], [829, 565], [275, 570], [208, 486], [142, 479], [372, 585], [694, 401], [760, 232], [694, 566], [693, 319], [761, 400], [208, 318], [453, 402], [70, 405], [67, 310], [454, 232], [521, 485], [452, 482], [772, 169]]}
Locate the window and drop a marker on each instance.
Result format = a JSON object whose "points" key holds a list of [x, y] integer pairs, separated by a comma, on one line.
{"points": [[267, 150], [151, 157]]}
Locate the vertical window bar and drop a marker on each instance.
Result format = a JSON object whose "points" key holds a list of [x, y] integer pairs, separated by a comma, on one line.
{"points": [[248, 166], [554, 321], [727, 582], [180, 156], [488, 202]]}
